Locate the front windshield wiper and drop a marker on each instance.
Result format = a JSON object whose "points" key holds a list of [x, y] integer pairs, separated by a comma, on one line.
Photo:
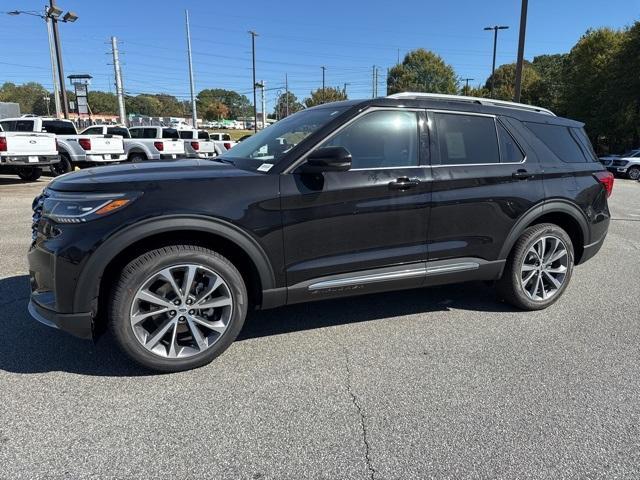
{"points": [[223, 160]]}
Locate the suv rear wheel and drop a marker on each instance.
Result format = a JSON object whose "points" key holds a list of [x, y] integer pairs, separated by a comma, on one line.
{"points": [[538, 269], [177, 307]]}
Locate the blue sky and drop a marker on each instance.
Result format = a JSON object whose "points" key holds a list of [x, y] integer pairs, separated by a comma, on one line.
{"points": [[295, 37]]}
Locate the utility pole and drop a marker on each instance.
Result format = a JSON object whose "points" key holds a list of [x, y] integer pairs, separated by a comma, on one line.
{"points": [[54, 66], [466, 87], [264, 105], [56, 39], [519, 64], [344, 90], [253, 56], [323, 93], [398, 62], [495, 29], [286, 94], [373, 82], [194, 113], [118, 75]]}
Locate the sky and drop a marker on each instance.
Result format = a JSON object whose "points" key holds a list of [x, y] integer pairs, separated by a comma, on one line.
{"points": [[296, 38]]}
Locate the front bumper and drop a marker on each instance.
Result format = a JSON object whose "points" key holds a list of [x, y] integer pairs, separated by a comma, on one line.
{"points": [[77, 324], [29, 160], [618, 169]]}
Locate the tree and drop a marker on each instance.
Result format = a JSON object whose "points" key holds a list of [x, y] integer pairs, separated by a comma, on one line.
{"points": [[422, 71], [143, 105], [326, 95], [236, 104], [30, 96], [548, 91], [170, 106], [215, 111], [103, 102], [281, 105], [505, 80]]}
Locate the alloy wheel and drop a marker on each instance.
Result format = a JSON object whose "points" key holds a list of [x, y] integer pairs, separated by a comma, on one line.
{"points": [[544, 268], [181, 311]]}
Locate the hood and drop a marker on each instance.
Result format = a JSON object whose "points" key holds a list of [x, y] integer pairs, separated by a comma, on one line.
{"points": [[143, 176]]}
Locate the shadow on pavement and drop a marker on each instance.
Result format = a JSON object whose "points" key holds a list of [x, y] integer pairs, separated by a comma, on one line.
{"points": [[29, 347]]}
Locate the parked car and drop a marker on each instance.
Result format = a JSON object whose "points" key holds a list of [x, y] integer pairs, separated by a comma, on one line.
{"points": [[74, 149], [364, 196], [197, 144], [26, 153], [154, 143], [223, 139], [627, 164]]}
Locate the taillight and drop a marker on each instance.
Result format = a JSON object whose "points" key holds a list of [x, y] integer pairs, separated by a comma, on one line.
{"points": [[606, 179], [227, 145], [195, 145], [159, 146], [85, 143], [3, 144]]}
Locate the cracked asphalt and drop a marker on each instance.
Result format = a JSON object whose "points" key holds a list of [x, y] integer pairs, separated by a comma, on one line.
{"points": [[433, 383]]}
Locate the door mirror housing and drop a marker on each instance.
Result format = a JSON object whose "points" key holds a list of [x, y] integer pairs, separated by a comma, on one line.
{"points": [[328, 159]]}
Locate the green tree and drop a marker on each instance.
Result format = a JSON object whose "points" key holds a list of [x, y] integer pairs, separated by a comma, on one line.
{"points": [[326, 95], [103, 102], [30, 96], [281, 108], [143, 105], [422, 71], [170, 106], [237, 104], [548, 91], [505, 80]]}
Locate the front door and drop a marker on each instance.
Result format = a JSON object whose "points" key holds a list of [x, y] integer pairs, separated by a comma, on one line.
{"points": [[367, 225]]}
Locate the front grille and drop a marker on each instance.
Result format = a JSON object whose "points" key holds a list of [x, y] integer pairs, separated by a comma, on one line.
{"points": [[37, 206]]}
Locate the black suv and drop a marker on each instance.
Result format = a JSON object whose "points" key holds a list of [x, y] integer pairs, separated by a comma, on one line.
{"points": [[342, 199]]}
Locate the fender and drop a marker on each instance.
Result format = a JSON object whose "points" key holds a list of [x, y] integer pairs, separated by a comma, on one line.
{"points": [[89, 280], [548, 206]]}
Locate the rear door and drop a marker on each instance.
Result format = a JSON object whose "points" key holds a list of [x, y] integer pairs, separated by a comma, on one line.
{"points": [[484, 179]]}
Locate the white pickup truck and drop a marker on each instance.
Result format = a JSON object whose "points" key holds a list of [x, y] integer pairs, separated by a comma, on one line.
{"points": [[25, 153], [74, 149], [223, 139], [154, 143], [197, 144]]}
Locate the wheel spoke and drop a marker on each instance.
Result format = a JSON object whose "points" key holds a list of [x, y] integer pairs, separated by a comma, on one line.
{"points": [[136, 318], [147, 296], [557, 256], [160, 332], [555, 282], [529, 277], [527, 268], [560, 269], [188, 281], [214, 303], [167, 276], [196, 334], [209, 291], [551, 251], [173, 343], [217, 326]]}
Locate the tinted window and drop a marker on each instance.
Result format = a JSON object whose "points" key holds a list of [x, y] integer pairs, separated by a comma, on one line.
{"points": [[466, 139], [123, 132], [17, 126], [582, 138], [384, 138], [225, 136], [560, 141], [170, 133], [202, 135], [59, 127], [509, 150], [136, 132], [149, 133], [93, 131], [8, 126], [185, 134]]}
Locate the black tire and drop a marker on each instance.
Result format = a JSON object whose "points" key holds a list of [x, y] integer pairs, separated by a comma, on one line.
{"points": [[510, 288], [136, 157], [29, 174], [634, 173], [136, 272], [63, 166]]}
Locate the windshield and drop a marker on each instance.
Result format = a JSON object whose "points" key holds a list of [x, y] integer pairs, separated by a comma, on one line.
{"points": [[270, 144], [632, 154]]}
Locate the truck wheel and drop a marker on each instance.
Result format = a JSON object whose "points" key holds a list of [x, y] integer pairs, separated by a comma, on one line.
{"points": [[29, 174], [634, 173], [177, 307], [137, 157], [62, 167], [538, 269]]}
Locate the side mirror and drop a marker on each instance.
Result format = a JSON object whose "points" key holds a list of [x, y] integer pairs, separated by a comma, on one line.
{"points": [[328, 159]]}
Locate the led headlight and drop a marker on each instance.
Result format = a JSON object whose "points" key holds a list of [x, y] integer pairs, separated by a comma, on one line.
{"points": [[79, 208]]}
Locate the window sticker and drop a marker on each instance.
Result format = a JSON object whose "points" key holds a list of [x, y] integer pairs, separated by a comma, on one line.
{"points": [[265, 167]]}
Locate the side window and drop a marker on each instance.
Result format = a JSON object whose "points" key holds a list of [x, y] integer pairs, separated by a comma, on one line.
{"points": [[382, 138], [170, 133], [509, 150], [24, 126], [202, 135], [466, 139], [149, 133], [118, 131], [8, 126], [136, 132], [59, 127], [559, 140], [93, 131], [226, 137]]}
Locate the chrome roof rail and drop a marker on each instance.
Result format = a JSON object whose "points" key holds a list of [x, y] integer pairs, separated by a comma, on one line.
{"points": [[478, 100]]}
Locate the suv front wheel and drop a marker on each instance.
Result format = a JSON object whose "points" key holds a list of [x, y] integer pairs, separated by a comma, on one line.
{"points": [[177, 307], [538, 269]]}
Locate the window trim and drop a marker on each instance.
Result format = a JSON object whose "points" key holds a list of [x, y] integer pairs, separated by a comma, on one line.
{"points": [[291, 168], [495, 125]]}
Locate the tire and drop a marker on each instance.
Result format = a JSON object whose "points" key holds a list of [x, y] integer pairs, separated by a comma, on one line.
{"points": [[180, 347], [137, 157], [29, 174], [521, 263], [634, 173], [63, 166]]}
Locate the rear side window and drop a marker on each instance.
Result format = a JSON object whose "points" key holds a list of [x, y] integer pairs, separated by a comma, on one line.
{"points": [[17, 126], [582, 138], [466, 139], [509, 150], [59, 127], [202, 135], [170, 133], [149, 133], [123, 132], [93, 131], [226, 137], [560, 141], [185, 134], [136, 132]]}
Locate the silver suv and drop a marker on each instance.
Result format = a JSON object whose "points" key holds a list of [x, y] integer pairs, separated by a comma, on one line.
{"points": [[627, 164]]}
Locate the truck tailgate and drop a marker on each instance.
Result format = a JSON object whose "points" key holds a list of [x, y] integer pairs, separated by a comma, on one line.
{"points": [[19, 143], [105, 144], [205, 146], [173, 147]]}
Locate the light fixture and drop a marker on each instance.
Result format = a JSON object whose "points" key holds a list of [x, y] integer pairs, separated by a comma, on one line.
{"points": [[69, 17], [54, 12]]}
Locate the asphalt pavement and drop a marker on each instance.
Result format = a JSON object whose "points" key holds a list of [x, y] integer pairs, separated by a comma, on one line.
{"points": [[432, 383]]}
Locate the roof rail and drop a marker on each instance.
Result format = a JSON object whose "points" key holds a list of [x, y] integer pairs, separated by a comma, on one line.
{"points": [[478, 100]]}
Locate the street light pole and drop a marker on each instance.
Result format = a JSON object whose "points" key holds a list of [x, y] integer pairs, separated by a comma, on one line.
{"points": [[56, 39], [466, 87], [519, 64], [253, 57], [194, 114], [286, 89], [324, 97], [495, 29], [54, 67]]}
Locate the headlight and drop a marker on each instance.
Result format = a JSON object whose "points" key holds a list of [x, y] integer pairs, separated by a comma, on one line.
{"points": [[80, 208]]}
